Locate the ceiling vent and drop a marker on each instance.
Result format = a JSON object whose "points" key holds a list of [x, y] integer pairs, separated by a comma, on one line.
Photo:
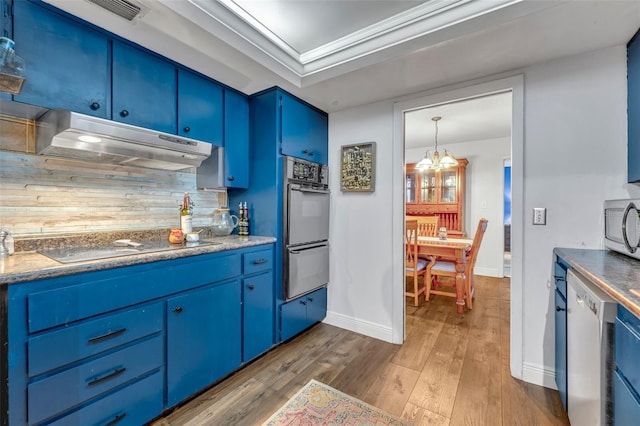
{"points": [[126, 9]]}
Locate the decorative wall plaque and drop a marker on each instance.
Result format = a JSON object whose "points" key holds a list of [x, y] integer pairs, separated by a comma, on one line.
{"points": [[358, 167]]}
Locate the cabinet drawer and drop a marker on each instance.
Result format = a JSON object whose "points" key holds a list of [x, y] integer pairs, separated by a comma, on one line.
{"points": [[200, 272], [69, 388], [627, 346], [132, 405], [626, 408], [94, 294], [257, 261], [61, 347]]}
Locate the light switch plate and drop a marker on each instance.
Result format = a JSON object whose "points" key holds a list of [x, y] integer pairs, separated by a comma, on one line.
{"points": [[539, 216]]}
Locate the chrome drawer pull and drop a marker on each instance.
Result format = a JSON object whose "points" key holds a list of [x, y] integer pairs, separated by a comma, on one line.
{"points": [[117, 419], [109, 335], [109, 376], [259, 261]]}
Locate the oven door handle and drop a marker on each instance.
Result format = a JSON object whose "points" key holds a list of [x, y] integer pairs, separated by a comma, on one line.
{"points": [[317, 191], [307, 248]]}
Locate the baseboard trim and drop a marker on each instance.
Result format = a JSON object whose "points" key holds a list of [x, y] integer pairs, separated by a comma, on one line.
{"points": [[356, 325], [539, 375], [488, 272]]}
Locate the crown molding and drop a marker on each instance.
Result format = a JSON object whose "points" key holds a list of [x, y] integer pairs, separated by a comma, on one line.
{"points": [[417, 28]]}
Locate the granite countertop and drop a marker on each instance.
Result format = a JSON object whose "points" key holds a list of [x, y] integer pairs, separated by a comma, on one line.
{"points": [[30, 265], [618, 275]]}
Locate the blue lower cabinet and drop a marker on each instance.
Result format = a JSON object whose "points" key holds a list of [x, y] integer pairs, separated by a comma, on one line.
{"points": [[626, 408], [299, 314], [91, 379], [203, 338], [626, 391], [561, 347], [317, 306], [97, 348], [258, 315], [135, 404]]}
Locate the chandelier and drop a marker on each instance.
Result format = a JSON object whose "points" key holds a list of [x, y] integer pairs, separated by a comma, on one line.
{"points": [[433, 161]]}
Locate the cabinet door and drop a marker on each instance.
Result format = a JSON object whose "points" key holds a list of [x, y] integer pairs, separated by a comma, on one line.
{"points": [[258, 315], [428, 187], [144, 89], [236, 140], [626, 407], [448, 186], [67, 64], [293, 318], [317, 306], [561, 347], [203, 338], [305, 131], [633, 110], [200, 108]]}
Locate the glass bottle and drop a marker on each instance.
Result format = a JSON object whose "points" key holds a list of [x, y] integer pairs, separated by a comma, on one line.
{"points": [[186, 214]]}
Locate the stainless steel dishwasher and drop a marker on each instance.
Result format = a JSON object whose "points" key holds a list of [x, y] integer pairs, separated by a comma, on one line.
{"points": [[590, 317]]}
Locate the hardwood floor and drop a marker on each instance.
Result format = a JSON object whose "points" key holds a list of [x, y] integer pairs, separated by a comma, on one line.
{"points": [[452, 370]]}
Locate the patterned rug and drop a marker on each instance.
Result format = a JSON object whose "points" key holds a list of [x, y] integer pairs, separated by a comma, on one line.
{"points": [[319, 404]]}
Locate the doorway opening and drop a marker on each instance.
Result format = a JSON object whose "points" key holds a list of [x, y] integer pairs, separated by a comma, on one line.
{"points": [[515, 87]]}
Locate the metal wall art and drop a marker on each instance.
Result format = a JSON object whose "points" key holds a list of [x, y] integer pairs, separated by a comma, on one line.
{"points": [[358, 167]]}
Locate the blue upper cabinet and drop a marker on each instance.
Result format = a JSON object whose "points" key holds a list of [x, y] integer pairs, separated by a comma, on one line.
{"points": [[200, 108], [144, 89], [633, 109], [67, 63], [304, 132], [236, 140]]}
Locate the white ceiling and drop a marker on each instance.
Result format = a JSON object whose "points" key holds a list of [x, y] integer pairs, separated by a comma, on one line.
{"points": [[338, 54], [478, 119]]}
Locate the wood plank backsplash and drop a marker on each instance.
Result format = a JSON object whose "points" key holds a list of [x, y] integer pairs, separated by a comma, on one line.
{"points": [[42, 195]]}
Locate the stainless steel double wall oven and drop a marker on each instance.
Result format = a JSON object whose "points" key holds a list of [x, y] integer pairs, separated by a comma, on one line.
{"points": [[306, 227]]}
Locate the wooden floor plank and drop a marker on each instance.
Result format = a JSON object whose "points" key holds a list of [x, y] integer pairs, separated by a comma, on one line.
{"points": [[437, 385], [392, 389]]}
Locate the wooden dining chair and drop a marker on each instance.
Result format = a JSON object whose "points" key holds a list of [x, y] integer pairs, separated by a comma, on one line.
{"points": [[428, 226], [445, 268], [414, 266]]}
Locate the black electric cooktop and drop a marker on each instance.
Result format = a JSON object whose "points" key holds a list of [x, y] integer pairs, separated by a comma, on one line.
{"points": [[83, 254]]}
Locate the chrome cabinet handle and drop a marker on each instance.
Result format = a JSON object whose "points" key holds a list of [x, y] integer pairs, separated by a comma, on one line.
{"points": [[124, 113], [107, 336], [187, 129], [95, 106], [177, 309], [250, 286], [558, 309], [259, 261], [231, 178]]}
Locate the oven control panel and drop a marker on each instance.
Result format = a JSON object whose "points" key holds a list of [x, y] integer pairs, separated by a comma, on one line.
{"points": [[306, 172]]}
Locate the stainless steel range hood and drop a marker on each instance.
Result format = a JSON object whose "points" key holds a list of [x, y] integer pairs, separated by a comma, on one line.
{"points": [[63, 133]]}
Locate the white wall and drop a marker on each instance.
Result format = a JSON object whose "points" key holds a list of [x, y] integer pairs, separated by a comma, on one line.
{"points": [[484, 196], [574, 159], [360, 290]]}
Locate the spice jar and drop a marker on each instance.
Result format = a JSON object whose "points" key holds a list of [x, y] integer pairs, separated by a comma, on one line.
{"points": [[176, 236]]}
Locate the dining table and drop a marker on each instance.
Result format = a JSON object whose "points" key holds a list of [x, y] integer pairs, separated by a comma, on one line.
{"points": [[455, 250]]}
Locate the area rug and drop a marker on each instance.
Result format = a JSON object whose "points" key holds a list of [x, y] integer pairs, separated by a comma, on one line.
{"points": [[319, 404]]}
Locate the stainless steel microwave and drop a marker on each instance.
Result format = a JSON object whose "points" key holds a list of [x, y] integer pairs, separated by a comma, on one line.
{"points": [[622, 226]]}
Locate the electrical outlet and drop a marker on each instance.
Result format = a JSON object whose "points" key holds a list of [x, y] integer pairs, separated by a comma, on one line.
{"points": [[539, 216]]}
